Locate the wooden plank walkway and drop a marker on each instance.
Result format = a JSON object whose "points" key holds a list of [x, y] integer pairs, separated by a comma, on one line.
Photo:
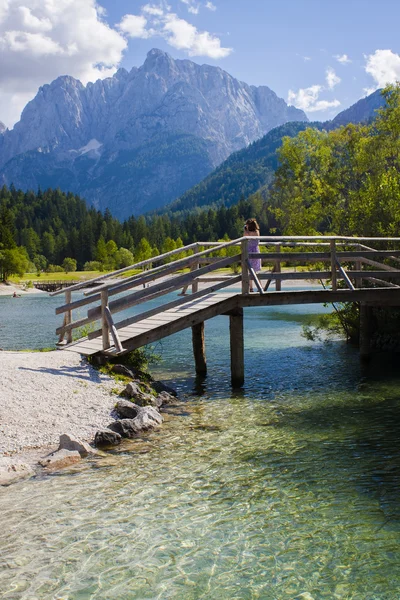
{"points": [[163, 324], [346, 265]]}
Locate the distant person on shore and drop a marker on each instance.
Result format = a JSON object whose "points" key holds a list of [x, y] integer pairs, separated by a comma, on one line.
{"points": [[15, 295], [252, 229]]}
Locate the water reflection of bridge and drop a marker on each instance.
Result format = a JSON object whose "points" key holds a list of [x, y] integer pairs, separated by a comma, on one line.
{"points": [[354, 272]]}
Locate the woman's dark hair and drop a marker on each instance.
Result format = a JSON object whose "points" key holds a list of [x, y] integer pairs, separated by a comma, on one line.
{"points": [[251, 225]]}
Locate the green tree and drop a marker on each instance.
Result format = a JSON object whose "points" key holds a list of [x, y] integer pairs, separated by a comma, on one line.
{"points": [[13, 261], [69, 265], [123, 258], [143, 250]]}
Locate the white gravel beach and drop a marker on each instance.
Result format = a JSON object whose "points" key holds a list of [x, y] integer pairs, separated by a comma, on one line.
{"points": [[46, 394]]}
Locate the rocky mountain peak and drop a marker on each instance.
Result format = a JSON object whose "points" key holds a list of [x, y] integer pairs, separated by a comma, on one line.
{"points": [[159, 62], [179, 118]]}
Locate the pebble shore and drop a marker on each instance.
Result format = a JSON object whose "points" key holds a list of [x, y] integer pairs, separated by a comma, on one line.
{"points": [[46, 394]]}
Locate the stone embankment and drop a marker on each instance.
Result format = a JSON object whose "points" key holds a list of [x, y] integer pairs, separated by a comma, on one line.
{"points": [[45, 395]]}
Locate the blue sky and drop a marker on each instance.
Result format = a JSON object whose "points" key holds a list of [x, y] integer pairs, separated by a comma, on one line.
{"points": [[320, 55]]}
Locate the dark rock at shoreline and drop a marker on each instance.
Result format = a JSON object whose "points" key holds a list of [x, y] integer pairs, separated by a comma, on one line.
{"points": [[141, 398], [107, 437], [159, 386], [126, 409], [147, 418], [164, 398], [126, 428], [122, 370]]}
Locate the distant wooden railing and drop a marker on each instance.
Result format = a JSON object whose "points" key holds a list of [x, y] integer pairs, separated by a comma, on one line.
{"points": [[204, 258]]}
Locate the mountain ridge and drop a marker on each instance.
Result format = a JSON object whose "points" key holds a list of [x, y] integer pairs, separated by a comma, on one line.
{"points": [[162, 99], [249, 170]]}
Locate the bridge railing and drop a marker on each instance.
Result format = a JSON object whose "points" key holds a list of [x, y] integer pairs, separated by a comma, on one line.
{"points": [[155, 268], [168, 272]]}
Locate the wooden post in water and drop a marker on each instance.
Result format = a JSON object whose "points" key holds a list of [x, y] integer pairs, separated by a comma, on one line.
{"points": [[333, 265], [237, 347], [104, 323], [365, 331], [199, 349], [245, 272]]}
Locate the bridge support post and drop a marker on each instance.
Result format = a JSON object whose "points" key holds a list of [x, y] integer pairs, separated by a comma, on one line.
{"points": [[365, 331], [199, 348], [237, 347]]}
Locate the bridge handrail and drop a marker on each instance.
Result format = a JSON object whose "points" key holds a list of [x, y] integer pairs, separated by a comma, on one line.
{"points": [[157, 272], [200, 256], [138, 297], [142, 263]]}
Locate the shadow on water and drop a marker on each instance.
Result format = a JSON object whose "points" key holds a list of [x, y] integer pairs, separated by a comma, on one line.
{"points": [[352, 442]]}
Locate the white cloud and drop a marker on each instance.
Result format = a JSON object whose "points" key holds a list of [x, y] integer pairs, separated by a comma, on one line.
{"points": [[384, 67], [177, 32], [308, 99], [192, 6], [331, 78], [153, 10], [342, 58], [211, 6], [367, 91], [40, 40], [134, 26], [184, 36]]}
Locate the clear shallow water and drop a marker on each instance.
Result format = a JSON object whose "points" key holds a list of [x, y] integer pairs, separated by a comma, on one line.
{"points": [[288, 487]]}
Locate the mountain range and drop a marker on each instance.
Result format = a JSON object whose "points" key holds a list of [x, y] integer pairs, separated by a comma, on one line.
{"points": [[138, 140], [252, 169]]}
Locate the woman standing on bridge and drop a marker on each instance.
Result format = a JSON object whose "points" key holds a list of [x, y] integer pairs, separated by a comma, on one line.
{"points": [[252, 229]]}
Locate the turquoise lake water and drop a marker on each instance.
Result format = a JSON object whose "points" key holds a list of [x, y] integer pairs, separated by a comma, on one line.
{"points": [[289, 488]]}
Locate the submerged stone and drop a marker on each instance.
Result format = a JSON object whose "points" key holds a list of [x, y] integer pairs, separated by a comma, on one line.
{"points": [[12, 470], [61, 459], [107, 437]]}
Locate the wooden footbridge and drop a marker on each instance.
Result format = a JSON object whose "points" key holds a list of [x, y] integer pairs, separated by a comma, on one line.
{"points": [[219, 276]]}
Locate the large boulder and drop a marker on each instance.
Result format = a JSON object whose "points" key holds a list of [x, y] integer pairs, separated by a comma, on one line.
{"points": [[133, 390], [126, 409], [160, 386], [122, 370], [12, 470], [61, 459], [107, 437], [70, 442], [147, 417], [126, 428], [164, 398]]}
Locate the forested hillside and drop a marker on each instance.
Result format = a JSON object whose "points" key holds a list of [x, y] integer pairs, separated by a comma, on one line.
{"points": [[46, 230], [242, 174], [345, 181]]}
